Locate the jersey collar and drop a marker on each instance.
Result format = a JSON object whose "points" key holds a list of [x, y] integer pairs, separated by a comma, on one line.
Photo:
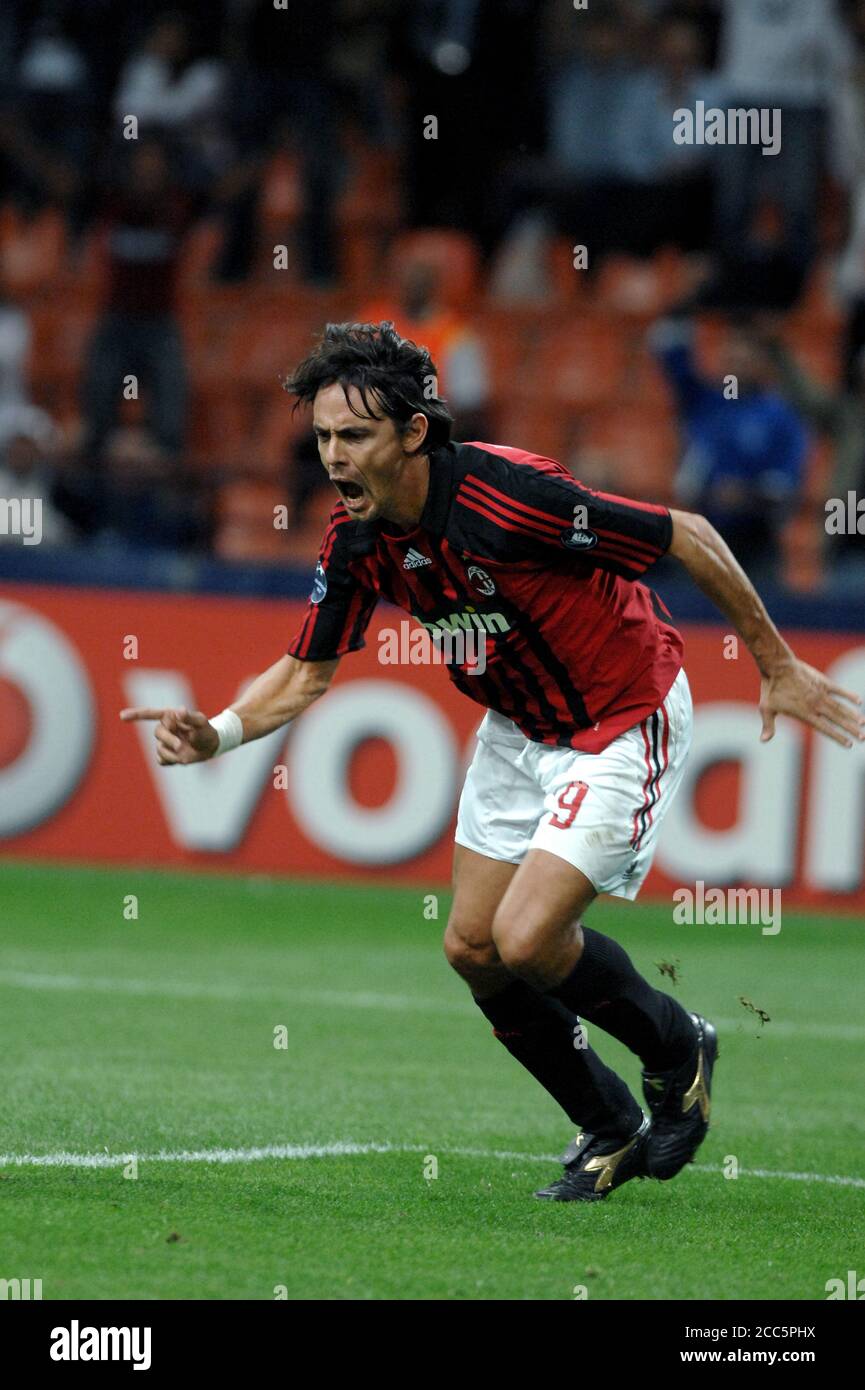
{"points": [[434, 517], [436, 509]]}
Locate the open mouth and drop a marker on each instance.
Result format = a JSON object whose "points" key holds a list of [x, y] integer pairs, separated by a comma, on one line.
{"points": [[349, 491]]}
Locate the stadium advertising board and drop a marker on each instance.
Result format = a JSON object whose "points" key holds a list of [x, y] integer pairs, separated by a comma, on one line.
{"points": [[367, 782]]}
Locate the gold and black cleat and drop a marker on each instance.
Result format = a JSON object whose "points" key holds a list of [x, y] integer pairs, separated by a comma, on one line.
{"points": [[680, 1102], [594, 1166]]}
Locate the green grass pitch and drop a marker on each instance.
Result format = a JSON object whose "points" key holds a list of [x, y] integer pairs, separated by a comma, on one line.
{"points": [[156, 1036]]}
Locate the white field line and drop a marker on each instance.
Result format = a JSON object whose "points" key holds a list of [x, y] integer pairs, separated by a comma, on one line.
{"points": [[366, 999], [180, 989], [346, 1148]]}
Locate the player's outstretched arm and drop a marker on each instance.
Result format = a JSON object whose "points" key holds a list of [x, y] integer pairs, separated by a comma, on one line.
{"points": [[274, 698], [788, 685]]}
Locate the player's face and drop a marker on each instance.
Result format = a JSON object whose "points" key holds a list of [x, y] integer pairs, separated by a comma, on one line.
{"points": [[364, 457]]}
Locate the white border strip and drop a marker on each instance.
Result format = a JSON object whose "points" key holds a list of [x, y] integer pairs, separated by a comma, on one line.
{"points": [[347, 1148]]}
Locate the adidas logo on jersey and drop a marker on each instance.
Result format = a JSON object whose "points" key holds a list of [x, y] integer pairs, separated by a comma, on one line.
{"points": [[414, 560]]}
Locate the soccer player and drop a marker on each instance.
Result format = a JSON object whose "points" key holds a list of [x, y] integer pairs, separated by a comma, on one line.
{"points": [[584, 739]]}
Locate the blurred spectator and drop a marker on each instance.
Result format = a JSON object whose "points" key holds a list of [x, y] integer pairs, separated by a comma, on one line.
{"points": [[840, 417], [149, 501], [47, 115], [678, 208], [469, 66], [704, 15], [141, 498], [583, 181], [362, 64], [790, 55], [178, 95], [15, 335], [53, 82], [850, 133], [147, 217], [28, 441], [595, 93], [613, 177], [283, 93], [744, 453]]}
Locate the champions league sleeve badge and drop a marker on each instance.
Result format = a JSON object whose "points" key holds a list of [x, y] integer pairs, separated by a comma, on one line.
{"points": [[319, 584]]}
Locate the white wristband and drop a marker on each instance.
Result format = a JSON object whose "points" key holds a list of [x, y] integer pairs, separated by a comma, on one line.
{"points": [[229, 727]]}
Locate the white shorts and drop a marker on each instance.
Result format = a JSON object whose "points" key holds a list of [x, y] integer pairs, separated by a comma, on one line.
{"points": [[599, 811]]}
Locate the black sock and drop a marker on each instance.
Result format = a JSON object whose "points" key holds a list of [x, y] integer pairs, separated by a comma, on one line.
{"points": [[539, 1032], [605, 988]]}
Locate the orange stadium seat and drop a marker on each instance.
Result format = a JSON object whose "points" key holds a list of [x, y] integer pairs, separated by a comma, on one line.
{"points": [[509, 344], [61, 337], [803, 538], [245, 522], [818, 474], [642, 446], [277, 428], [281, 193], [199, 252], [802, 551], [580, 365], [239, 346], [371, 194], [279, 208], [270, 295], [640, 289], [220, 424], [816, 351], [83, 273], [569, 285], [367, 214], [211, 351], [213, 302], [643, 380], [538, 426], [32, 250], [366, 210], [454, 254], [260, 350]]}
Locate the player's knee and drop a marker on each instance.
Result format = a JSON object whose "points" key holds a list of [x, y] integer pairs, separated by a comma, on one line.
{"points": [[466, 953], [517, 942]]}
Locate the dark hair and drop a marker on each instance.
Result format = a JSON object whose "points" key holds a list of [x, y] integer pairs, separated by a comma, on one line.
{"points": [[392, 370]]}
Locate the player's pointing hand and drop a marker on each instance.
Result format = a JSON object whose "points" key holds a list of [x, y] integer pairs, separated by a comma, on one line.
{"points": [[182, 736], [805, 693]]}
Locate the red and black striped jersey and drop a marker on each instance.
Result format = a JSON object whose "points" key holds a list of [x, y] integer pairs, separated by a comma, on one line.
{"points": [[511, 544]]}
